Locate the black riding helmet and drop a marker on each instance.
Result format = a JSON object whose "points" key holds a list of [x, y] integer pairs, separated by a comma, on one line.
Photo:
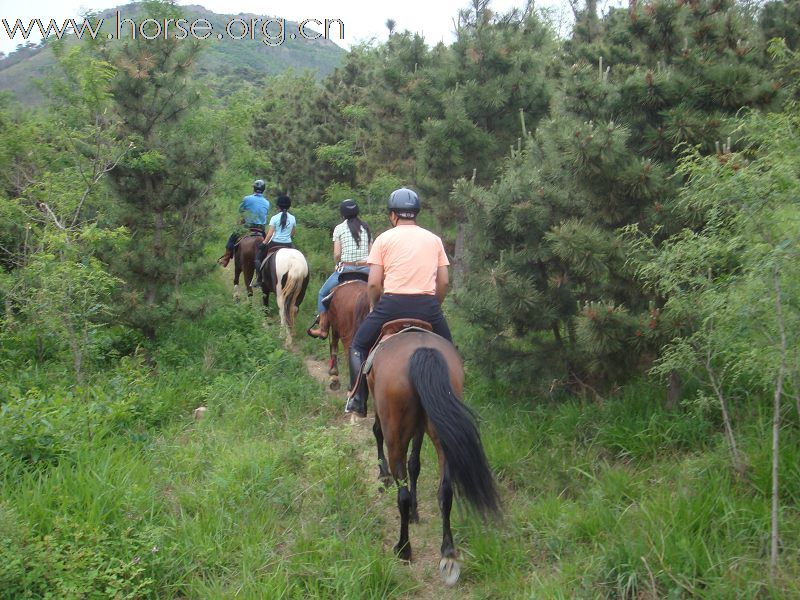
{"points": [[259, 186], [348, 208], [284, 202], [404, 202]]}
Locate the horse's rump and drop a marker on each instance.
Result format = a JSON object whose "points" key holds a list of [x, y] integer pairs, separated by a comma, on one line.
{"points": [[388, 363], [289, 276]]}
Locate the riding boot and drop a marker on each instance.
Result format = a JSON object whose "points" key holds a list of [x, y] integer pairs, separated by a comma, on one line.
{"points": [[320, 332], [357, 400], [225, 258]]}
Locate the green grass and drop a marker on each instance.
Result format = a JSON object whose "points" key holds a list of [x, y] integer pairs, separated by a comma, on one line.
{"points": [[116, 492]]}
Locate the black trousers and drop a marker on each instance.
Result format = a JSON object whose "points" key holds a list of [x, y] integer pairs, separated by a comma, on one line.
{"points": [[399, 306]]}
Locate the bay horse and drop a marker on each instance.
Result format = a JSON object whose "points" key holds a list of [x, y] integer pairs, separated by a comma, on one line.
{"points": [[416, 380], [285, 272], [244, 258], [349, 305]]}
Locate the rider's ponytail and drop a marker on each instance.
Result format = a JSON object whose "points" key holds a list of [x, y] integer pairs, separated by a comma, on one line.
{"points": [[355, 224], [284, 202]]}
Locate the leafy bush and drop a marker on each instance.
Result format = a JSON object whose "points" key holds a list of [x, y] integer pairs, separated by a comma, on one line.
{"points": [[73, 561]]}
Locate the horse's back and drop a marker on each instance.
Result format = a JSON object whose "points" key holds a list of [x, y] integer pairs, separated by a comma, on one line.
{"points": [[349, 305], [246, 248]]}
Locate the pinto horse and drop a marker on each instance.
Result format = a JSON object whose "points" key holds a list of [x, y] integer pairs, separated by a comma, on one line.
{"points": [[416, 380], [244, 258], [285, 272], [349, 306]]}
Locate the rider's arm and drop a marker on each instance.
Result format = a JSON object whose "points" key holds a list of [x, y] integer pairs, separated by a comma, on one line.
{"points": [[270, 233], [375, 284], [442, 283], [337, 251]]}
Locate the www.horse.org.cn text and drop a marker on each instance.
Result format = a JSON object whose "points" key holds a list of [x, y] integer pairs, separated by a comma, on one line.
{"points": [[272, 31]]}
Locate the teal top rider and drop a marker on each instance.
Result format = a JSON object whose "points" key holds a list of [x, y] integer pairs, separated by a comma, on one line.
{"points": [[282, 226], [253, 210]]}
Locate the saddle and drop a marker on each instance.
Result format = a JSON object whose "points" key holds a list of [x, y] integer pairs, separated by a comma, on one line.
{"points": [[395, 327], [252, 232], [353, 276]]}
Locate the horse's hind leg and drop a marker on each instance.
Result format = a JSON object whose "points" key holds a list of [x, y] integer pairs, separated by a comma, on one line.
{"points": [[383, 471], [397, 459], [237, 270], [248, 269], [449, 567], [413, 471], [333, 366], [403, 546]]}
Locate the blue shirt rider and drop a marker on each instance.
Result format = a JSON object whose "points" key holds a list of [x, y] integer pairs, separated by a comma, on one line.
{"points": [[253, 210]]}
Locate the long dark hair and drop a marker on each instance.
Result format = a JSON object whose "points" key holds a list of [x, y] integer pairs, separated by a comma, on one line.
{"points": [[355, 224], [284, 202]]}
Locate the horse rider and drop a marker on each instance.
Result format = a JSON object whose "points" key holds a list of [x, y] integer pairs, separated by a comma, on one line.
{"points": [[282, 227], [352, 242], [253, 210], [407, 279]]}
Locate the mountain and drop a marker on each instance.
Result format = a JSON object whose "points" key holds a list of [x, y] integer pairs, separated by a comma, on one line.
{"points": [[223, 63]]}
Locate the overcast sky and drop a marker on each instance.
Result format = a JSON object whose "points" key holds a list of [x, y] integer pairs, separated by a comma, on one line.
{"points": [[363, 20]]}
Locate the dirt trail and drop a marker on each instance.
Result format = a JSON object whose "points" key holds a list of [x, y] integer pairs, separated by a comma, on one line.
{"points": [[425, 536]]}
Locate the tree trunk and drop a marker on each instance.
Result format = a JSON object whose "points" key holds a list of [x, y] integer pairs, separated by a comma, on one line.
{"points": [[459, 268], [158, 253], [673, 390]]}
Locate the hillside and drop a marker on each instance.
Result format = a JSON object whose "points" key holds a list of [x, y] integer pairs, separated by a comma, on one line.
{"points": [[225, 63]]}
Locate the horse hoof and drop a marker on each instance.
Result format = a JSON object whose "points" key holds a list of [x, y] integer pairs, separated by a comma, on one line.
{"points": [[403, 553], [335, 385], [450, 570], [385, 482]]}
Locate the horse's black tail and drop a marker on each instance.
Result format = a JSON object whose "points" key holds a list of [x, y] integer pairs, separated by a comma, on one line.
{"points": [[455, 425]]}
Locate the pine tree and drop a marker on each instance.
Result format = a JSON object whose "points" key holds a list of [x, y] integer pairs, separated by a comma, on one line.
{"points": [[642, 83], [163, 182]]}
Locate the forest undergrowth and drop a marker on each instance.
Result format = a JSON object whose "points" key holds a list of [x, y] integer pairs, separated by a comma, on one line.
{"points": [[111, 489]]}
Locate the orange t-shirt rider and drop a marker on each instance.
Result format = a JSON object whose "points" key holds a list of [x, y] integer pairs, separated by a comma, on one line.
{"points": [[407, 279]]}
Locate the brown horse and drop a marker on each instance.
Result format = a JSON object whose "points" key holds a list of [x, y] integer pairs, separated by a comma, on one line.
{"points": [[349, 306], [416, 380], [244, 259]]}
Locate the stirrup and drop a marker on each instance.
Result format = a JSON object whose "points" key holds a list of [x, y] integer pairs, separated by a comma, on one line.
{"points": [[355, 407], [310, 331]]}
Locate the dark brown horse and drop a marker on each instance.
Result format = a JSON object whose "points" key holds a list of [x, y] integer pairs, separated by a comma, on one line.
{"points": [[416, 381], [349, 306], [244, 259]]}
